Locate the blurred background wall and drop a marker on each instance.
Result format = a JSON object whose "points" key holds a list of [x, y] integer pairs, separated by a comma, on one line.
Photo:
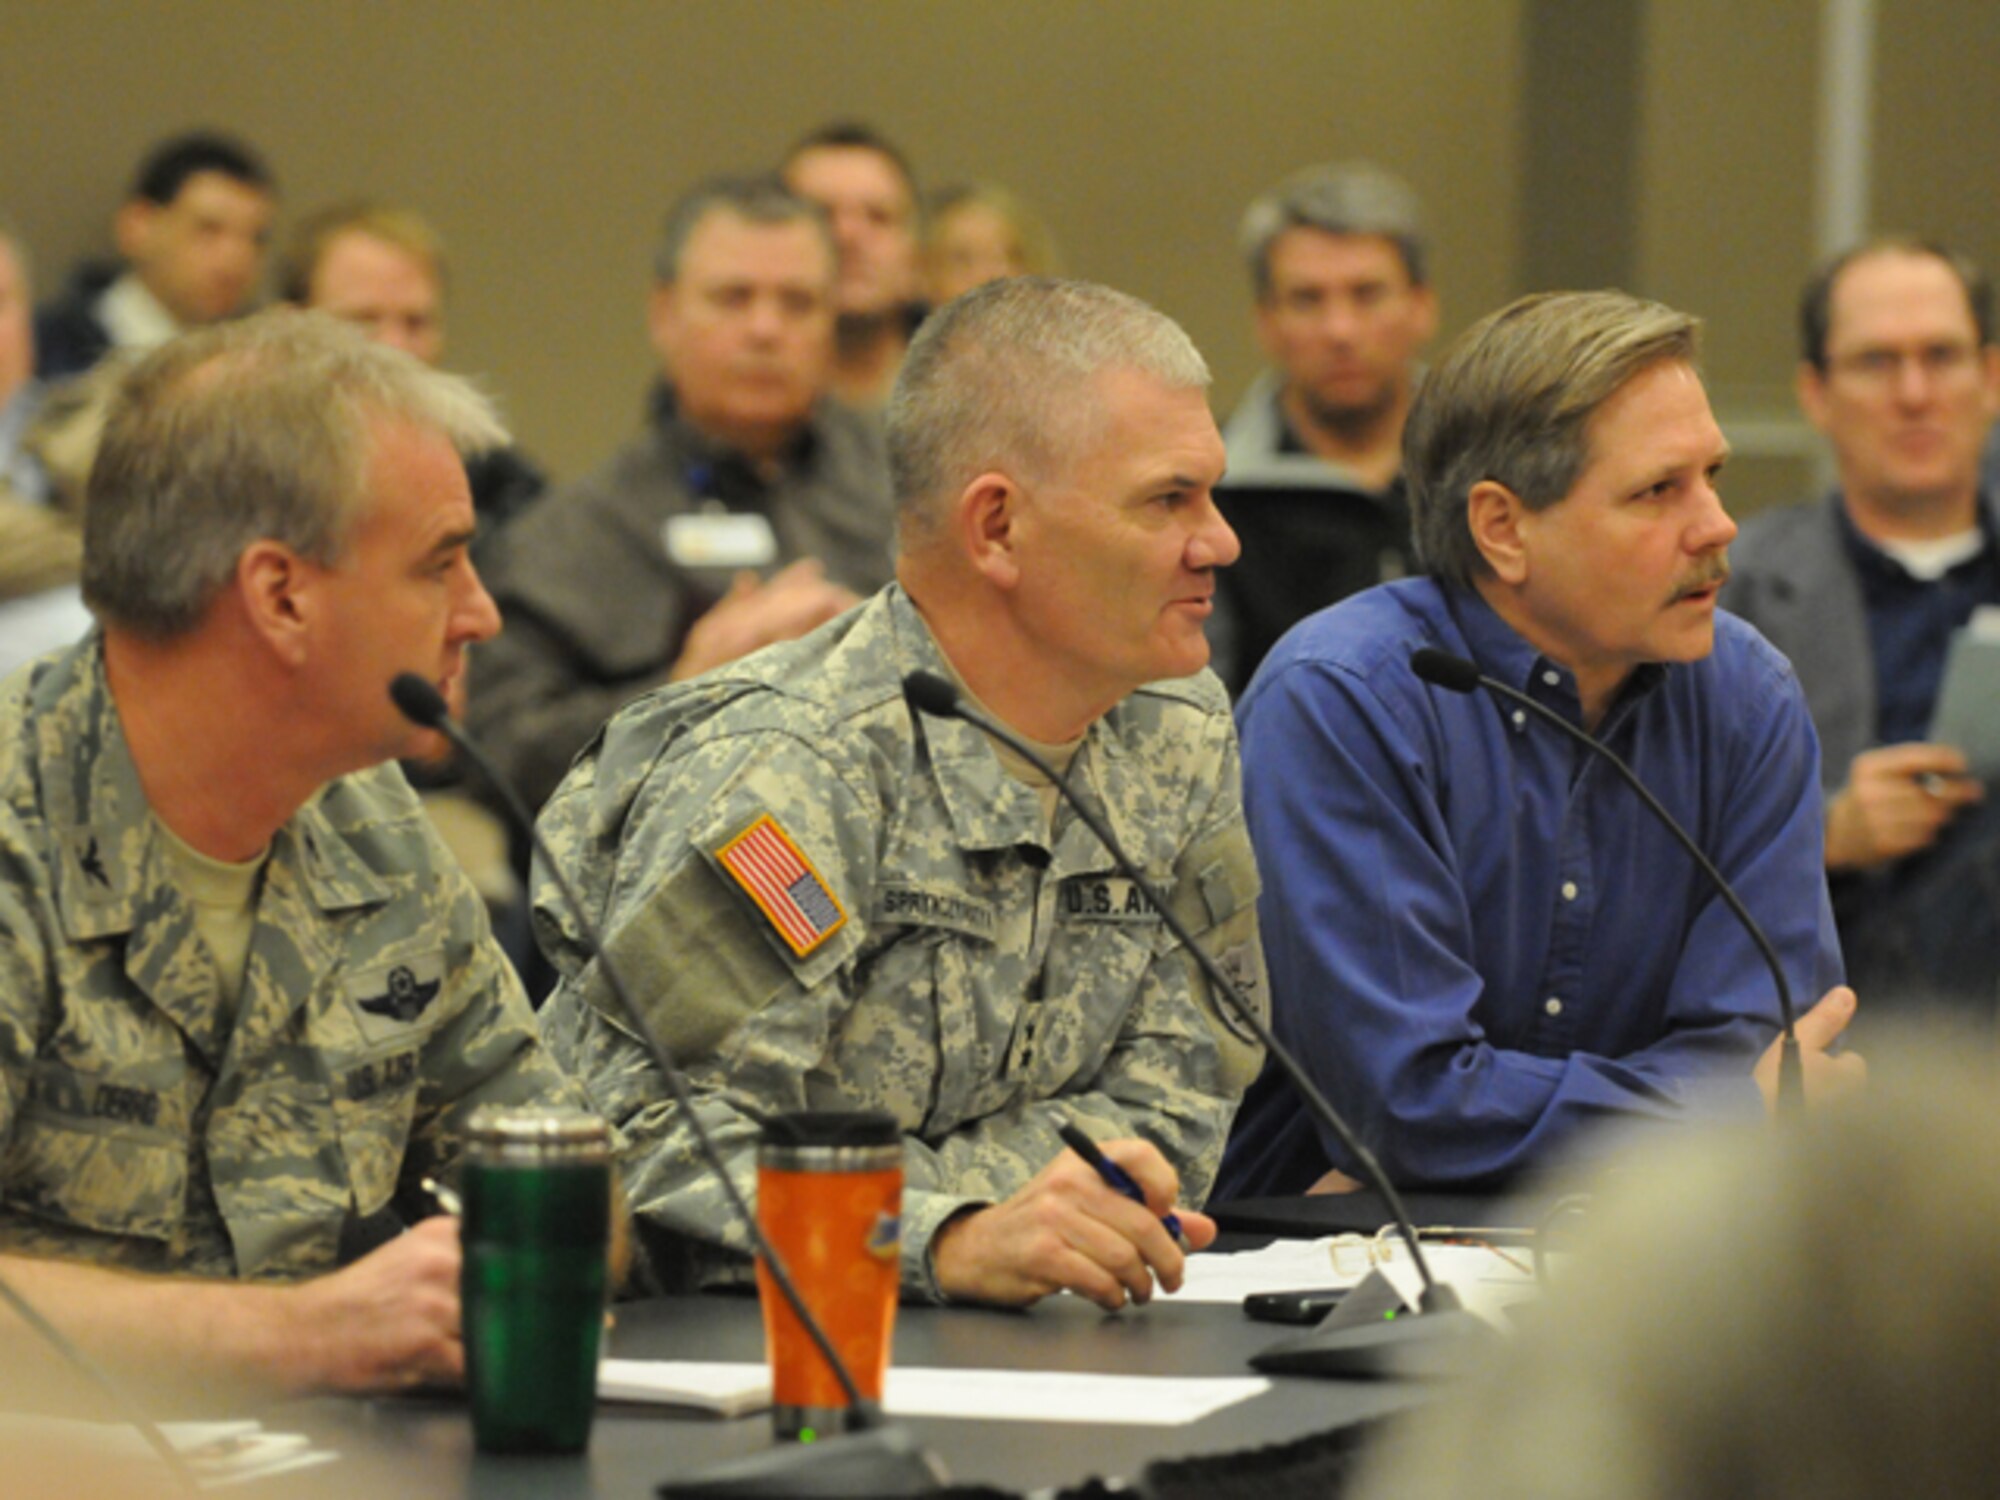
{"points": [[1669, 146]]}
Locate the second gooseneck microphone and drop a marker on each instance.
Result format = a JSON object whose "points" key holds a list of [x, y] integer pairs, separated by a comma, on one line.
{"points": [[932, 694]]}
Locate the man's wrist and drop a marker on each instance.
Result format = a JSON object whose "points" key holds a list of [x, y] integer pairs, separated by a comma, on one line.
{"points": [[927, 1226]]}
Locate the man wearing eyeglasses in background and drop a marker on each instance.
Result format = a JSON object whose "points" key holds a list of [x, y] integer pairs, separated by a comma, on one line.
{"points": [[1864, 591]]}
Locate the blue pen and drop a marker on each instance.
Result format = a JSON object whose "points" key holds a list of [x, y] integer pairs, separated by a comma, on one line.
{"points": [[1115, 1176]]}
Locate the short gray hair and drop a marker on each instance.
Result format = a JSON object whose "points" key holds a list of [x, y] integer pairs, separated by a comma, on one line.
{"points": [[1511, 401], [992, 381], [755, 200], [1351, 197], [246, 431]]}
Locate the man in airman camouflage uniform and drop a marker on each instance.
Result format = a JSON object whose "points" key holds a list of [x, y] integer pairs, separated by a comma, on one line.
{"points": [[245, 998], [830, 902]]}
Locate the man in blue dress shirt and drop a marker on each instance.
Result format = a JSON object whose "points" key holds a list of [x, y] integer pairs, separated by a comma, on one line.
{"points": [[1479, 941]]}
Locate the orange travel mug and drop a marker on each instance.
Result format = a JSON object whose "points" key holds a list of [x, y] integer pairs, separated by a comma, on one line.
{"points": [[830, 1201]]}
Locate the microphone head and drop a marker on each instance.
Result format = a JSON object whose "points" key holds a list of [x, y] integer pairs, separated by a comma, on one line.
{"points": [[421, 703], [929, 693], [1441, 669]]}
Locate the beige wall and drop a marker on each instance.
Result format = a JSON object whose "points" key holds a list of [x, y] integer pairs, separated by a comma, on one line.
{"points": [[547, 139]]}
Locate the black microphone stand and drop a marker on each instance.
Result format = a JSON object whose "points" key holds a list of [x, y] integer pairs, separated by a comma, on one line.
{"points": [[1364, 1335], [1457, 675], [878, 1459]]}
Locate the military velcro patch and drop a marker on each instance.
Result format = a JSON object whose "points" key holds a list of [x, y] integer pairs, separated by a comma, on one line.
{"points": [[915, 905], [390, 998], [775, 874], [1104, 898]]}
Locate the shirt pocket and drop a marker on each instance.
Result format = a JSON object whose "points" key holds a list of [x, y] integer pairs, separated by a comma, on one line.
{"points": [[374, 1105], [91, 1150], [1094, 977], [392, 1005], [914, 1042]]}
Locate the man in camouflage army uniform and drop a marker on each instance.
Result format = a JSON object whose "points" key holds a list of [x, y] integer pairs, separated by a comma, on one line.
{"points": [[830, 902], [245, 999]]}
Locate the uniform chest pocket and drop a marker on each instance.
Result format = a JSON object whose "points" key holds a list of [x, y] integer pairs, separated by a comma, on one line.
{"points": [[920, 1033], [374, 1103], [1091, 982], [101, 1152], [391, 1006]]}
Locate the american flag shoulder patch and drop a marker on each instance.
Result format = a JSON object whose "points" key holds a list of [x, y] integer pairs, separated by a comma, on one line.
{"points": [[775, 874]]}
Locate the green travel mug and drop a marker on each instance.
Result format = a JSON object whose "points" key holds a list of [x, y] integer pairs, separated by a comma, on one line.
{"points": [[537, 1193]]}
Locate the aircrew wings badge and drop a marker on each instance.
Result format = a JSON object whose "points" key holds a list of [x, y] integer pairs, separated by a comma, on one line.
{"points": [[775, 874]]}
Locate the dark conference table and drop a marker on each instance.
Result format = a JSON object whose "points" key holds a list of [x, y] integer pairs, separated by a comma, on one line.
{"points": [[393, 1448]]}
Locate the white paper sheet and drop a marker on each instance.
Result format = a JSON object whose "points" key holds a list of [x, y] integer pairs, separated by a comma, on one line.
{"points": [[1065, 1396], [1486, 1280], [728, 1387]]}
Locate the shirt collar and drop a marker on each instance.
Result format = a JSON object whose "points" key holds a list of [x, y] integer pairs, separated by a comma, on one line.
{"points": [[1504, 654], [990, 809], [109, 865], [1879, 571], [714, 469], [133, 316]]}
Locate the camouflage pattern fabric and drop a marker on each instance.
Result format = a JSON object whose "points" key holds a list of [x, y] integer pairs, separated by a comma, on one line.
{"points": [[945, 958], [145, 1125]]}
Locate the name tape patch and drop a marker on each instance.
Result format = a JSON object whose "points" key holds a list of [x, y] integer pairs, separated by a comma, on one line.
{"points": [[1099, 898], [775, 874], [916, 906]]}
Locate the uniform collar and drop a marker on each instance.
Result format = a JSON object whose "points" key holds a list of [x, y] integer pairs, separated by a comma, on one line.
{"points": [[989, 809], [110, 874]]}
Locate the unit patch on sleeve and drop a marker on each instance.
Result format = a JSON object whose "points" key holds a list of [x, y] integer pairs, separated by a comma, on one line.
{"points": [[775, 874]]}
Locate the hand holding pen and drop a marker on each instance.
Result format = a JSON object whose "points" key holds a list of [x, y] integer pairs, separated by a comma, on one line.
{"points": [[1116, 1177], [1071, 1229]]}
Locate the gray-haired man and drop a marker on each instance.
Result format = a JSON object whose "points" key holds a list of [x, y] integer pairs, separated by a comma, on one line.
{"points": [[750, 510], [1338, 262], [245, 997], [941, 939]]}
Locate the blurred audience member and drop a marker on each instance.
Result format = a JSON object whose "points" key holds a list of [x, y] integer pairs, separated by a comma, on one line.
{"points": [[41, 538], [1804, 1313], [384, 268], [979, 232], [1344, 307], [870, 196], [1865, 590], [191, 233], [750, 510]]}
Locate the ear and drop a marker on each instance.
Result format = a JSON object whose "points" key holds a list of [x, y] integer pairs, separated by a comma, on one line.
{"points": [[278, 591], [662, 323], [1989, 370], [1494, 513], [986, 518], [132, 227], [1811, 387]]}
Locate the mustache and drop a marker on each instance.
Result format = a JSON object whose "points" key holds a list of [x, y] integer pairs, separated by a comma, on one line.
{"points": [[1710, 575]]}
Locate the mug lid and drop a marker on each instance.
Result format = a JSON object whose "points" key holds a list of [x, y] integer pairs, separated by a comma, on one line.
{"points": [[832, 1127], [534, 1124]]}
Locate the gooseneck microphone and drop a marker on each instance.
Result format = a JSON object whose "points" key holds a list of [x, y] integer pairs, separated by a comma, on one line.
{"points": [[929, 693], [1457, 675], [867, 1457]]}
